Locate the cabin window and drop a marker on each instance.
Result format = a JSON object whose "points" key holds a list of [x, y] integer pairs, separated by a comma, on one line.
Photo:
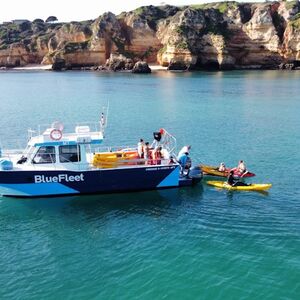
{"points": [[69, 153], [45, 155]]}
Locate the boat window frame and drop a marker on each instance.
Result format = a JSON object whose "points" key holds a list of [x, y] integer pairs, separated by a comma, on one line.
{"points": [[78, 153], [52, 156]]}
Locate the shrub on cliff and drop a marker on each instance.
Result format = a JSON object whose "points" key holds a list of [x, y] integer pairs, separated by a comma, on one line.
{"points": [[38, 21], [51, 19], [295, 22]]}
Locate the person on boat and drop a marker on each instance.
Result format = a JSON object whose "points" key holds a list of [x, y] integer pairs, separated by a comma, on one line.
{"points": [[158, 155], [140, 148], [222, 167], [172, 160], [184, 149], [165, 154], [147, 154], [185, 163], [231, 180], [22, 160]]}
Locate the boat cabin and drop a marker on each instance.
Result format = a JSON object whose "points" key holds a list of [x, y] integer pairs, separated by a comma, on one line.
{"points": [[56, 149]]}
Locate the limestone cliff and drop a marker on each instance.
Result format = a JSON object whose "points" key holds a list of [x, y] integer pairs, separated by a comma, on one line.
{"points": [[220, 35]]}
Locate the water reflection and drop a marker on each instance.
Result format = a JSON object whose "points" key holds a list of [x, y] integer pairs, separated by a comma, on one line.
{"points": [[156, 203]]}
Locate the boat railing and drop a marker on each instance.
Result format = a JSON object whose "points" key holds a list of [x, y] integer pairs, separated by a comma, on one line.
{"points": [[15, 155], [11, 155], [124, 163], [12, 143], [68, 128], [11, 148], [169, 142], [133, 163], [114, 148], [12, 152]]}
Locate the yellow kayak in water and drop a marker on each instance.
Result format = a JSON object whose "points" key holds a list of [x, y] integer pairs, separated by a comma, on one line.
{"points": [[250, 187]]}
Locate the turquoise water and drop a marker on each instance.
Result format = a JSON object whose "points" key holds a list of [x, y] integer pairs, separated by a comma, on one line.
{"points": [[189, 243]]}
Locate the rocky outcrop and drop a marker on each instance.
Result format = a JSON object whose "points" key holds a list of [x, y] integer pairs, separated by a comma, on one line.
{"points": [[119, 62], [224, 35], [59, 64], [229, 35], [141, 67]]}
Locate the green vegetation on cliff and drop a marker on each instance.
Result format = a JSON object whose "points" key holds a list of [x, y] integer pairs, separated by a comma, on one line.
{"points": [[182, 45], [72, 47], [9, 33], [222, 7], [197, 30], [26, 33], [153, 14], [295, 22], [291, 4]]}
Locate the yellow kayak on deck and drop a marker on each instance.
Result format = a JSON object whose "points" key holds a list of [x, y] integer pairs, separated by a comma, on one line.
{"points": [[115, 159], [250, 187]]}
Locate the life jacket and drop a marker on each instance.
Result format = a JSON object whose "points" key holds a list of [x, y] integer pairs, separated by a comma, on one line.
{"points": [[158, 157]]}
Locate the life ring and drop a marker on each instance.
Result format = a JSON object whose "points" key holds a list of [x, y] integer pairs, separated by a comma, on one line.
{"points": [[55, 134]]}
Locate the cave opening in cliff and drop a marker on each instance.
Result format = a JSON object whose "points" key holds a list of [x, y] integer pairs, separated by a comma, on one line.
{"points": [[108, 47]]}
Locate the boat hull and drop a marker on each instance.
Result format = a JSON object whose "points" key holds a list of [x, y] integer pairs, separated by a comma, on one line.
{"points": [[61, 182]]}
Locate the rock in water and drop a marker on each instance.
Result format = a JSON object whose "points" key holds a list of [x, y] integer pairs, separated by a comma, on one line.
{"points": [[177, 66], [141, 67], [59, 64]]}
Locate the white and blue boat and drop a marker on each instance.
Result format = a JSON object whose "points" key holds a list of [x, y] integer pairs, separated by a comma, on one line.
{"points": [[59, 162]]}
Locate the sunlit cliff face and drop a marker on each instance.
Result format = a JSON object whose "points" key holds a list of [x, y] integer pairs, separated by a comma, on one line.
{"points": [[217, 35]]}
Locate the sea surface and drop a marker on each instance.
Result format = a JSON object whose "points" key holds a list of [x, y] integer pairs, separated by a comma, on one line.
{"points": [[190, 243]]}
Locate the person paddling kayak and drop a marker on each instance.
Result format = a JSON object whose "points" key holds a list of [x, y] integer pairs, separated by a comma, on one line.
{"points": [[231, 180]]}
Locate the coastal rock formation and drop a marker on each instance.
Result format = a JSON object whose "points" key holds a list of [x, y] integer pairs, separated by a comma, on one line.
{"points": [[119, 62], [219, 35], [141, 67]]}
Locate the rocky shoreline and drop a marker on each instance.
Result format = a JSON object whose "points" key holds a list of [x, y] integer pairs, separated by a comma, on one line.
{"points": [[215, 36]]}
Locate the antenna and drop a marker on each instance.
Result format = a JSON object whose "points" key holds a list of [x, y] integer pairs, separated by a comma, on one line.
{"points": [[30, 133], [107, 108], [104, 117]]}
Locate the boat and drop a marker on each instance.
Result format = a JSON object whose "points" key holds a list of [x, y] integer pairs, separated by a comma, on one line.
{"points": [[250, 187], [214, 171], [69, 160]]}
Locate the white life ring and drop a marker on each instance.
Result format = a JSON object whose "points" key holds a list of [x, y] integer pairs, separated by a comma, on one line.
{"points": [[56, 134]]}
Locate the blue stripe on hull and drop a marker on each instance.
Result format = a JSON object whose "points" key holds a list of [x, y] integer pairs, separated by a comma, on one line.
{"points": [[35, 189], [171, 180]]}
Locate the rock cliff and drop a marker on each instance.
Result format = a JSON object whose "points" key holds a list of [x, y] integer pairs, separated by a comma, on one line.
{"points": [[223, 35]]}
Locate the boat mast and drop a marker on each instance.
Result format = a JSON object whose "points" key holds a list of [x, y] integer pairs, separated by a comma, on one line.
{"points": [[104, 118]]}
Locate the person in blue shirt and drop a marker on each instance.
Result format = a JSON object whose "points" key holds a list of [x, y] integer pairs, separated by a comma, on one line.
{"points": [[184, 162], [183, 150]]}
